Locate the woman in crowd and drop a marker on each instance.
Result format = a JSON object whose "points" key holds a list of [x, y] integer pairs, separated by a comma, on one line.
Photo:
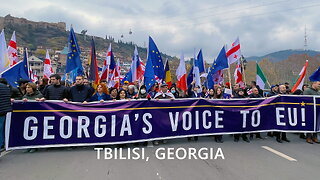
{"points": [[122, 94], [142, 94], [218, 95], [32, 93], [174, 91], [210, 94], [43, 84], [113, 93], [101, 94]]}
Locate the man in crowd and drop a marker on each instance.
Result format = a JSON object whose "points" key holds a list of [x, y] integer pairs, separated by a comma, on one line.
{"points": [[80, 92], [255, 94], [22, 83], [236, 89], [313, 90], [274, 90], [164, 93], [56, 91], [281, 136], [5, 107]]}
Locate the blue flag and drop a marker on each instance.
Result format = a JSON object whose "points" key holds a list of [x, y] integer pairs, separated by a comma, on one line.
{"points": [[155, 56], [190, 76], [17, 72], [149, 79], [199, 62], [220, 63], [315, 76], [73, 57]]}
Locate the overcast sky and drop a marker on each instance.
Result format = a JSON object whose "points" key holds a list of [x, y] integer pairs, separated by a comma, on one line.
{"points": [[176, 26]]}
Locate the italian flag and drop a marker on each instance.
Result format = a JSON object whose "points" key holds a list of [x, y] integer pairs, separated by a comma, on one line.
{"points": [[301, 77], [261, 78]]}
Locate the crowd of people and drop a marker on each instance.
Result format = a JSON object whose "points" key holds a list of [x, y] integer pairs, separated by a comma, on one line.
{"points": [[82, 91]]}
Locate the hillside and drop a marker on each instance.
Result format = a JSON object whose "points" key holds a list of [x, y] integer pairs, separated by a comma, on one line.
{"points": [[282, 55], [54, 36]]}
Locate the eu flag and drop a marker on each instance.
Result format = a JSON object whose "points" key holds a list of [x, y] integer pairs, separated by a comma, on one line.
{"points": [[73, 57], [155, 56], [17, 71], [149, 74], [220, 63], [315, 76]]}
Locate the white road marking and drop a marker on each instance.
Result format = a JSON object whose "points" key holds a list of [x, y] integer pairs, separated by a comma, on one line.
{"points": [[278, 153], [4, 153]]}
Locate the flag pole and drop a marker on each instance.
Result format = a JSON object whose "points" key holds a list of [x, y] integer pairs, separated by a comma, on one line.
{"points": [[107, 78], [243, 72], [229, 74]]}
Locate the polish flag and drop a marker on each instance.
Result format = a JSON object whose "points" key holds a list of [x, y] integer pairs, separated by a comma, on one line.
{"points": [[301, 77], [181, 73], [12, 50], [238, 75], [47, 69], [234, 53]]}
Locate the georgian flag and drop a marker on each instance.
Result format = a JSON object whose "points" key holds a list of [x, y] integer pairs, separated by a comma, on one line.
{"points": [[238, 75], [47, 68], [234, 53], [12, 50]]}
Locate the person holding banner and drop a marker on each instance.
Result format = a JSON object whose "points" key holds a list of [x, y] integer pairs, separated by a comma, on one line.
{"points": [[174, 91], [239, 93], [101, 94], [313, 90], [210, 94], [122, 95], [282, 136], [56, 91], [255, 94], [113, 93], [142, 94], [80, 92], [164, 93], [32, 93], [5, 107], [218, 95]]}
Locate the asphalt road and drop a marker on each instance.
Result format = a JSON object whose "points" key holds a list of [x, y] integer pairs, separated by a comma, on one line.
{"points": [[256, 160]]}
